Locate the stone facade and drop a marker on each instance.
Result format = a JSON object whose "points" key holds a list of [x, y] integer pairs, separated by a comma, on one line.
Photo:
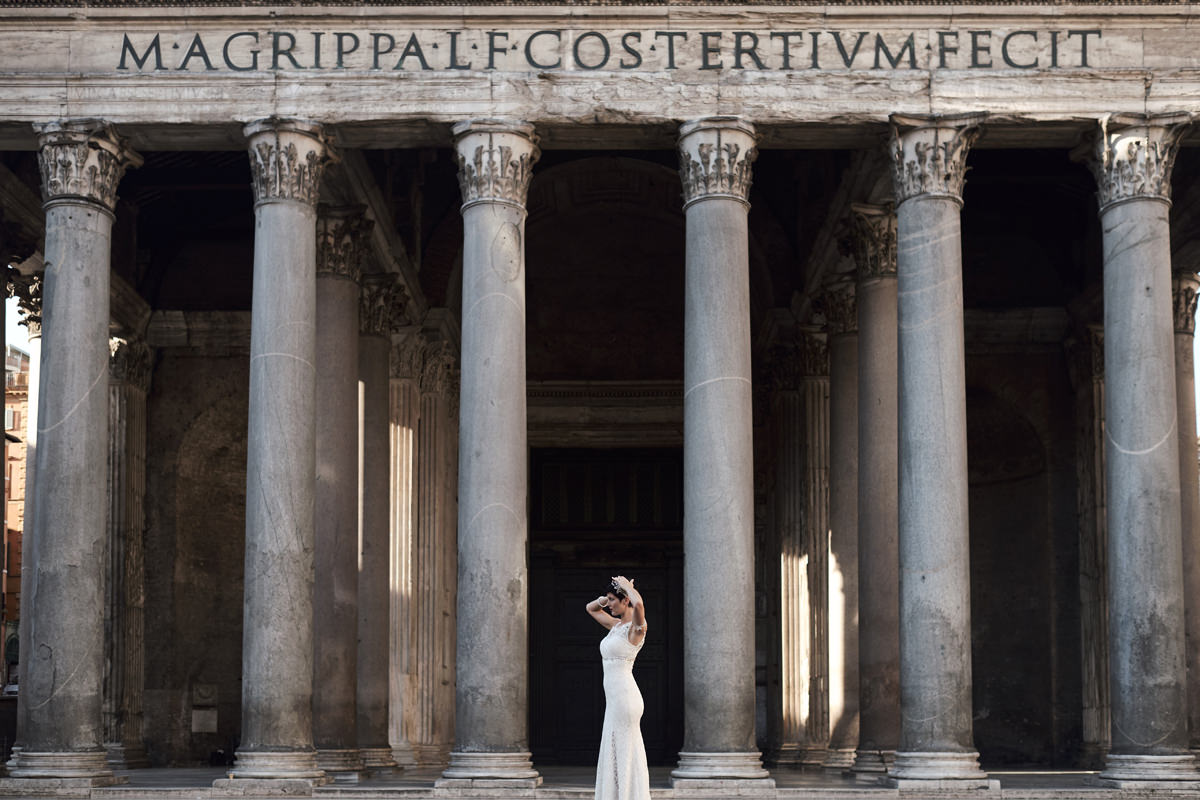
{"points": [[478, 305]]}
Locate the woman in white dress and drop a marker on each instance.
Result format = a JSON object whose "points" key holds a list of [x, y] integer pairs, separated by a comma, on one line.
{"points": [[621, 772]]}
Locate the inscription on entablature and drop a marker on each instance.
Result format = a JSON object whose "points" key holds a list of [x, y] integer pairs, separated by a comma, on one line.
{"points": [[555, 49]]}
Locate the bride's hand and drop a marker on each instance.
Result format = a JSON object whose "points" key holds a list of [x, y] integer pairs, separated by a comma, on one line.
{"points": [[623, 582]]}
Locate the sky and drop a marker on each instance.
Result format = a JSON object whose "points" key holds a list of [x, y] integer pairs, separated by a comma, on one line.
{"points": [[17, 335]]}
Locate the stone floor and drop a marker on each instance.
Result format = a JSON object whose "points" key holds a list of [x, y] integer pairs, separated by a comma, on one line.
{"points": [[575, 783]]}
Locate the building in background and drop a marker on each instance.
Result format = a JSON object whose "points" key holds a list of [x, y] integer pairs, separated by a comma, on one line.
{"points": [[16, 406]]}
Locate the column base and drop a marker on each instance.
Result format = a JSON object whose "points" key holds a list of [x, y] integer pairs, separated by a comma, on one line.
{"points": [[403, 755], [720, 767], [87, 765], [126, 756], [932, 770], [274, 765], [838, 759], [786, 755], [813, 756], [341, 765], [871, 766], [489, 771], [1150, 772], [378, 760], [55, 787]]}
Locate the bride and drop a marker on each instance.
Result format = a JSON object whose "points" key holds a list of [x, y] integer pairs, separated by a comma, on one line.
{"points": [[621, 772]]}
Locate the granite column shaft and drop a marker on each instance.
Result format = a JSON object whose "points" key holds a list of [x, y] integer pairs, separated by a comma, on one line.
{"points": [[341, 238], [1184, 291], [1132, 158], [491, 715], [878, 557], [936, 739], [719, 696], [81, 165], [286, 159]]}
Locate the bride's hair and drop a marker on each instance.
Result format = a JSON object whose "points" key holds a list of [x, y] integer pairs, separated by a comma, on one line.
{"points": [[615, 590]]}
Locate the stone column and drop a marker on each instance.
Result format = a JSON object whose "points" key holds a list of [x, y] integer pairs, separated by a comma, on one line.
{"points": [[28, 290], [429, 736], [878, 558], [1131, 158], [129, 381], [286, 160], [382, 310], [813, 385], [789, 708], [842, 583], [341, 239], [495, 160], [715, 164], [1184, 286], [404, 403], [936, 741], [1088, 372], [81, 165]]}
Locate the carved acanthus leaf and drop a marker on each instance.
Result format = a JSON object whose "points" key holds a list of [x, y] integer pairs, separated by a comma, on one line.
{"points": [[874, 241], [839, 305], [343, 240], [792, 362], [130, 362], [495, 162], [1183, 290], [1132, 157], [715, 160], [405, 361], [437, 364], [384, 306], [929, 155], [28, 291], [84, 160], [287, 160]]}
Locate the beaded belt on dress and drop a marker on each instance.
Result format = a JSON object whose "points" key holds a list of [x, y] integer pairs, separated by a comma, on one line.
{"points": [[617, 658]]}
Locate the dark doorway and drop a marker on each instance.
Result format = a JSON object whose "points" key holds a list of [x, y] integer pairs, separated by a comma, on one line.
{"points": [[597, 513]]}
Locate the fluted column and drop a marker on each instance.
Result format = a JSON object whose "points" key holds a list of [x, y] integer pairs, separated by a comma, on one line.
{"points": [[715, 157], [341, 238], [81, 165], [382, 310], [842, 584], [404, 406], [286, 160], [129, 380], [878, 557], [1131, 158], [1088, 361], [789, 704], [936, 739], [430, 736], [495, 160], [1184, 286]]}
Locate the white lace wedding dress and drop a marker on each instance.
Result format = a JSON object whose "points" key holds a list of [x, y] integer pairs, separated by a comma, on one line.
{"points": [[621, 772]]}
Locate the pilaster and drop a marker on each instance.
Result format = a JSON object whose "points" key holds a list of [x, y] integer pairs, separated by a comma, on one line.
{"points": [[124, 677], [838, 302], [1184, 285]]}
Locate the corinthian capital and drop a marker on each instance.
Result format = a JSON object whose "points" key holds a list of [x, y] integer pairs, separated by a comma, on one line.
{"points": [[130, 362], [437, 366], [383, 305], [1131, 156], [874, 240], [28, 291], [839, 304], [82, 160], [715, 158], [1183, 290], [929, 154], [287, 159], [495, 161], [343, 238]]}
